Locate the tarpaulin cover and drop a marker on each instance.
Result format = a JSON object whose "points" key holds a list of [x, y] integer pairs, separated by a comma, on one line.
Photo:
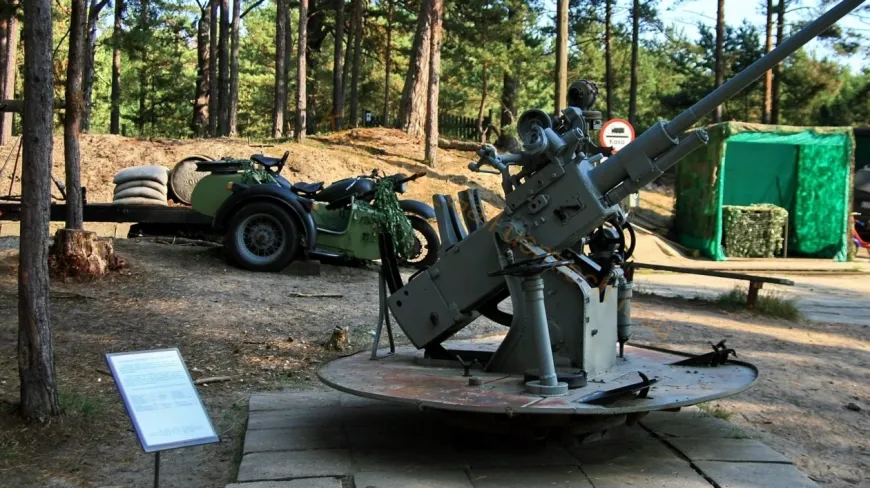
{"points": [[806, 170]]}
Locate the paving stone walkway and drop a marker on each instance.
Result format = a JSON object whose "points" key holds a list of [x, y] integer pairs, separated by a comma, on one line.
{"points": [[335, 440]]}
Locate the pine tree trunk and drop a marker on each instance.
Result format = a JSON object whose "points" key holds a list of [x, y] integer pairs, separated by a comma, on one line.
{"points": [[213, 83], [437, 13], [234, 71], [301, 72], [288, 71], [11, 75], [357, 56], [768, 75], [73, 114], [484, 93], [777, 70], [720, 53], [348, 58], [90, 52], [6, 58], [143, 70], [561, 56], [39, 398], [412, 110], [224, 70], [635, 41], [280, 58], [509, 83], [115, 116], [337, 78], [203, 61], [389, 64], [608, 57]]}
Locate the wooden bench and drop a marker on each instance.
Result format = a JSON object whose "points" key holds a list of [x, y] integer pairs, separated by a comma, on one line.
{"points": [[755, 282]]}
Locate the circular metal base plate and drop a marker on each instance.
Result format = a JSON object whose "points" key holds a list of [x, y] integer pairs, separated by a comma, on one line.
{"points": [[399, 378]]}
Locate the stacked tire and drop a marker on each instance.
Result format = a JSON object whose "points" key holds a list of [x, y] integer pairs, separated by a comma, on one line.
{"points": [[141, 185]]}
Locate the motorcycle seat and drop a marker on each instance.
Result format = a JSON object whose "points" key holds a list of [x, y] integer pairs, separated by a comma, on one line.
{"points": [[308, 188], [266, 160]]}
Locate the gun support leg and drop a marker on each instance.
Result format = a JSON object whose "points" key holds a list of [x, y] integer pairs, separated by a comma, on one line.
{"points": [[623, 315], [547, 383]]}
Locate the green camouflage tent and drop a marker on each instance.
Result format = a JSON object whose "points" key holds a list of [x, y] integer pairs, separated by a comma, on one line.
{"points": [[805, 170]]}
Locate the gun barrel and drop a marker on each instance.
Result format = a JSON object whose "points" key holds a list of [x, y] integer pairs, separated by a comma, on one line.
{"points": [[743, 79]]}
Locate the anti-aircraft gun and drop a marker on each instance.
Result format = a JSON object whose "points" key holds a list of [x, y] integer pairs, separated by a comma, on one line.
{"points": [[556, 251]]}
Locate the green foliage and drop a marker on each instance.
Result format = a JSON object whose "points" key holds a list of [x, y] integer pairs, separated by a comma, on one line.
{"points": [[484, 40], [767, 304], [76, 404], [392, 219], [754, 231]]}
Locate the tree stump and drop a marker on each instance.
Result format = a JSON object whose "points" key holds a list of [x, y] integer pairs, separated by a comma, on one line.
{"points": [[81, 255], [339, 340]]}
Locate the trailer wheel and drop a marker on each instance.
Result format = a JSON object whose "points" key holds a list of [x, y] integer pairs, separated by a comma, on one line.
{"points": [[262, 236]]}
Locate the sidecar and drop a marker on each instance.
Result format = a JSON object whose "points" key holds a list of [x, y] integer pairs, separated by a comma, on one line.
{"points": [[268, 222]]}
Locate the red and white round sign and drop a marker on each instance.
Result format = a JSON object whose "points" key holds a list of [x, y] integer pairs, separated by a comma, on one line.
{"points": [[616, 133]]}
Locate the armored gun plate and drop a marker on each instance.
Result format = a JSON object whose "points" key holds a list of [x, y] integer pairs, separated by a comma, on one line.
{"points": [[403, 378]]}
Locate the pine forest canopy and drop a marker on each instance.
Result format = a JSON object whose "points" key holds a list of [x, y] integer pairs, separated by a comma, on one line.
{"points": [[497, 55]]}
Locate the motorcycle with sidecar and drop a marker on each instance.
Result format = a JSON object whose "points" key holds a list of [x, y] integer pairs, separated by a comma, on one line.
{"points": [[267, 221]]}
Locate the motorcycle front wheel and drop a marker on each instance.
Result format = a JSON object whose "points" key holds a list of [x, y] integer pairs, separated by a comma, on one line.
{"points": [[426, 246]]}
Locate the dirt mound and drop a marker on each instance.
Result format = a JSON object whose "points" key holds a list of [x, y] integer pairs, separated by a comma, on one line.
{"points": [[321, 158]]}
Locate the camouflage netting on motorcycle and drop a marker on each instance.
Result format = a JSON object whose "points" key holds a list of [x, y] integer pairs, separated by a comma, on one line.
{"points": [[392, 219], [754, 231], [806, 171]]}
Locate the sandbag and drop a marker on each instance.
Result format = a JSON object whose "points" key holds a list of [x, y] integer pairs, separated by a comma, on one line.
{"points": [[139, 201], [140, 191], [155, 173], [154, 185]]}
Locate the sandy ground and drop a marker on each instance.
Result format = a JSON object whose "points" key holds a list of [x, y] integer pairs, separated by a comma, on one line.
{"points": [[244, 325]]}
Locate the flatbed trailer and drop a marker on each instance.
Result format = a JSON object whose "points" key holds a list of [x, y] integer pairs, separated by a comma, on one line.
{"points": [[153, 220]]}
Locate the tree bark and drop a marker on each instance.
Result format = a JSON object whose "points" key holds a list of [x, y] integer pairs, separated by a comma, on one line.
{"points": [[720, 53], [301, 72], [224, 70], [777, 70], [213, 83], [357, 56], [437, 13], [412, 110], [280, 58], [635, 41], [608, 57], [8, 66], [768, 75], [561, 56], [143, 70], [337, 78], [115, 116], [388, 64], [94, 10], [203, 61], [509, 84], [73, 114], [39, 398], [234, 71], [484, 93], [288, 70]]}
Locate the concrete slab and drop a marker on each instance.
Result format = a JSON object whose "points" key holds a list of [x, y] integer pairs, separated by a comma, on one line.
{"points": [[733, 450], [302, 417], [353, 401], [618, 450], [382, 414], [291, 400], [455, 478], [644, 472], [691, 423], [303, 483], [403, 459], [571, 477], [295, 438], [404, 434], [283, 465], [516, 454], [754, 475]]}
